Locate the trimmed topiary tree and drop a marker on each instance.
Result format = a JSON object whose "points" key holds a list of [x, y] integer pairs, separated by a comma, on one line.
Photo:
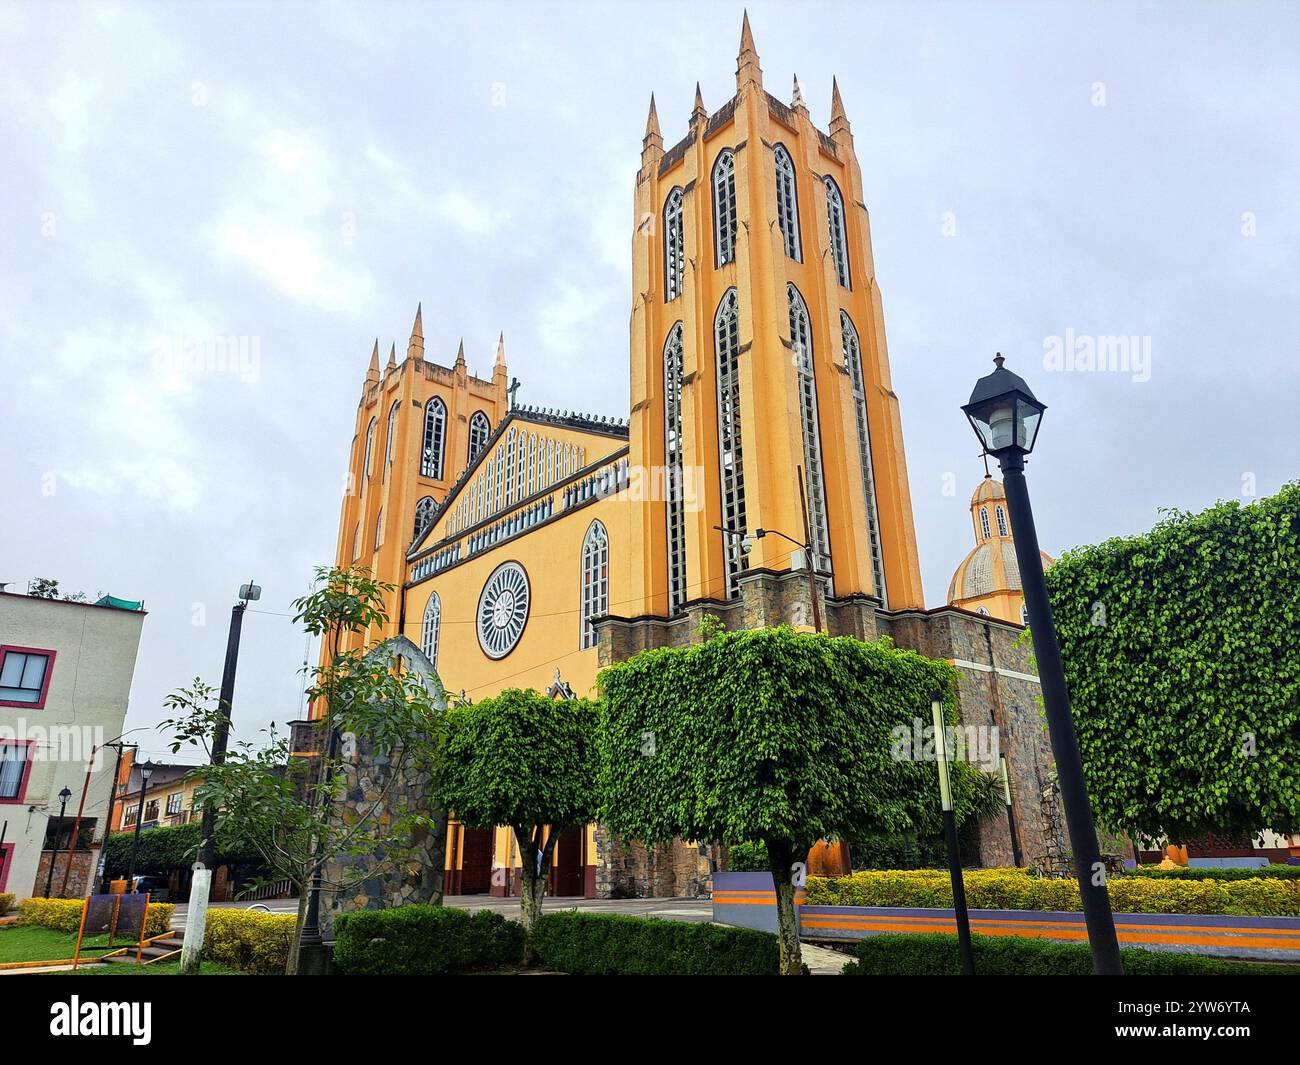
{"points": [[1182, 653], [523, 760], [776, 737]]}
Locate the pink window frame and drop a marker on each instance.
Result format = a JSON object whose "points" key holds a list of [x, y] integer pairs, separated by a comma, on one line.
{"points": [[27, 770], [6, 860], [49, 672]]}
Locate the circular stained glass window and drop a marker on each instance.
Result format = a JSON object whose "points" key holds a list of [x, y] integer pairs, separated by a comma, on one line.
{"points": [[503, 610]]}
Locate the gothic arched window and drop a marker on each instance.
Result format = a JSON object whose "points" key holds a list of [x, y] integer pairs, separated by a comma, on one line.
{"points": [[356, 542], [839, 237], [984, 522], [479, 431], [388, 439], [674, 246], [379, 528], [673, 469], [1002, 522], [726, 340], [429, 630], [787, 203], [423, 514], [595, 580], [510, 465], [435, 438], [370, 447], [853, 363], [724, 207], [801, 338], [498, 481]]}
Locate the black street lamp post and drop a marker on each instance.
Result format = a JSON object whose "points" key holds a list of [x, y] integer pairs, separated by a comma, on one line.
{"points": [[196, 915], [959, 910], [146, 771], [64, 796], [311, 936], [1005, 416]]}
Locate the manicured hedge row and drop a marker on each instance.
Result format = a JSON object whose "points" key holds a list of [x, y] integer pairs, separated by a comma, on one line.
{"points": [[64, 915], [423, 941], [601, 944], [1009, 889], [1267, 872], [927, 954], [249, 941], [6, 902]]}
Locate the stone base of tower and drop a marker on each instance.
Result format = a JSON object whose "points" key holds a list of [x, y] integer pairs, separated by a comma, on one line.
{"points": [[628, 870], [997, 688]]}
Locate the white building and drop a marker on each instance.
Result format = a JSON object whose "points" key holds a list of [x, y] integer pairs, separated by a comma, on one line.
{"points": [[65, 674]]}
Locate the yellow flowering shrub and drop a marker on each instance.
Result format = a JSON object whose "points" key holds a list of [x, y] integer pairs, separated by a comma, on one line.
{"points": [[248, 940]]}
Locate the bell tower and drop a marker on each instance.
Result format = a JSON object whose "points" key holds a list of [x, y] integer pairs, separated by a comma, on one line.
{"points": [[758, 358], [418, 425]]}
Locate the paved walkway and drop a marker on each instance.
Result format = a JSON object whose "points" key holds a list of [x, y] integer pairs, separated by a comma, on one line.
{"points": [[673, 909]]}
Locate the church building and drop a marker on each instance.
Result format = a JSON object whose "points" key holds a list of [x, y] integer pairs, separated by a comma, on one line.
{"points": [[531, 547]]}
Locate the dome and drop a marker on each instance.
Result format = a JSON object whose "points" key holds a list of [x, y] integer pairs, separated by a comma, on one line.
{"points": [[988, 491], [990, 567]]}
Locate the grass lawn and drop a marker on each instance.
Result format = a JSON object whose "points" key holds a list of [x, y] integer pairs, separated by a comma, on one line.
{"points": [[162, 968], [29, 943]]}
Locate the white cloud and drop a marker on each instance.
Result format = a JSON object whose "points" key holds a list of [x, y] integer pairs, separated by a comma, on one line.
{"points": [[294, 260]]}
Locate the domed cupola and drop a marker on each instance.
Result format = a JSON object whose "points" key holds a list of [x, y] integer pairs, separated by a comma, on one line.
{"points": [[988, 579]]}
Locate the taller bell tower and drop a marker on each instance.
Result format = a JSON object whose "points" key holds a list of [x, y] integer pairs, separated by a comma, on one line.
{"points": [[758, 356]]}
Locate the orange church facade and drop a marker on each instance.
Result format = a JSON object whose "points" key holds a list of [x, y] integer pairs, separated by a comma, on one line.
{"points": [[531, 547]]}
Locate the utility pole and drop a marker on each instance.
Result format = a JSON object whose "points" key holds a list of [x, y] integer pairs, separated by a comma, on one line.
{"points": [[196, 916]]}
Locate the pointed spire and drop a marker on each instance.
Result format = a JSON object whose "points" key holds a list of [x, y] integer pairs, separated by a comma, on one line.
{"points": [[392, 356], [652, 147], [373, 371], [415, 346], [797, 101], [839, 121], [699, 112], [460, 357], [499, 376], [748, 72]]}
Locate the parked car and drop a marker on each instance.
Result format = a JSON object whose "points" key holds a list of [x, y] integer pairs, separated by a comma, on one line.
{"points": [[159, 887]]}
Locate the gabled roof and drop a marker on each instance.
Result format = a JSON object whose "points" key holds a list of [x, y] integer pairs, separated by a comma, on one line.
{"points": [[614, 428]]}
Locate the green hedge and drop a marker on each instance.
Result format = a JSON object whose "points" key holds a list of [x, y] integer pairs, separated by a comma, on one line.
{"points": [[248, 940], [6, 902], [600, 944], [1015, 889], [424, 941], [165, 848], [1268, 872], [933, 954]]}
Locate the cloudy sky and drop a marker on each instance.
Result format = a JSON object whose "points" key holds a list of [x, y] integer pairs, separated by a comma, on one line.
{"points": [[297, 176]]}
